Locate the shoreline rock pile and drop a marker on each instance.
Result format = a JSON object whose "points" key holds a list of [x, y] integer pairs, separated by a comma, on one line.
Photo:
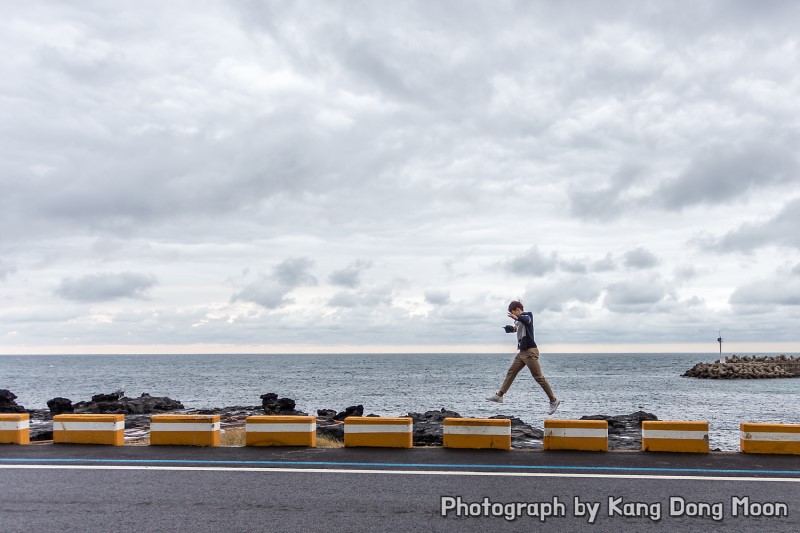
{"points": [[624, 430], [273, 405], [747, 367], [429, 429], [136, 411], [115, 403], [8, 403]]}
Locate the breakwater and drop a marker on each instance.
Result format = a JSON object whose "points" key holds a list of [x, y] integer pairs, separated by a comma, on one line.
{"points": [[747, 367]]}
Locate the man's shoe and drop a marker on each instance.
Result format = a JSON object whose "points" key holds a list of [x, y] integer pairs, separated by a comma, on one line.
{"points": [[496, 398], [553, 406]]}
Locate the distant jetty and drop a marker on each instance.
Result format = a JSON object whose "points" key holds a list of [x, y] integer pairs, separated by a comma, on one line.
{"points": [[747, 367]]}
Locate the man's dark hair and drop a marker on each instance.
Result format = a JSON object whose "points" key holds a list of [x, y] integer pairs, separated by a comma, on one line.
{"points": [[515, 305]]}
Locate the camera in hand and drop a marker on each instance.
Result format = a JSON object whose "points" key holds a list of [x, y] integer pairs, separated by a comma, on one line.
{"points": [[509, 329]]}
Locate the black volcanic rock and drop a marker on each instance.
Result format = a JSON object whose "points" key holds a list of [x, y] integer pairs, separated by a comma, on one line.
{"points": [[621, 423], [353, 410], [8, 403], [273, 405], [624, 431], [428, 426], [522, 435], [428, 429], [117, 404], [113, 397], [330, 428], [331, 425], [146, 404], [60, 406]]}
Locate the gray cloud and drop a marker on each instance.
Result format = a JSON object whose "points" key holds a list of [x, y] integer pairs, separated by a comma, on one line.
{"points": [[640, 258], [782, 289], [532, 263], [294, 272], [271, 291], [606, 264], [6, 270], [428, 139], [350, 276], [264, 292], [374, 298], [721, 173], [573, 266], [607, 202], [780, 230], [716, 174], [437, 297], [686, 272], [557, 294], [345, 299], [633, 296], [537, 263], [106, 287]]}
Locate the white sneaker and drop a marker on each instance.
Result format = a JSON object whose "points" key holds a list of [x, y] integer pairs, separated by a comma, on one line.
{"points": [[553, 406], [496, 398]]}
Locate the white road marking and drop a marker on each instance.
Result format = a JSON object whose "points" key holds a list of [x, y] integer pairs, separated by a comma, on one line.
{"points": [[396, 472]]}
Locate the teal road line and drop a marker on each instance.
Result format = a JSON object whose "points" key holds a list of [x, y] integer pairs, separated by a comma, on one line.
{"points": [[403, 465]]}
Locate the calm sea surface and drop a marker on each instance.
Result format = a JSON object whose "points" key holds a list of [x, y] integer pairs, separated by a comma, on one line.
{"points": [[392, 385]]}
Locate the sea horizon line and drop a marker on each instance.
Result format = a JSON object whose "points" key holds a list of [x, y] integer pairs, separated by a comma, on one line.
{"points": [[708, 348]]}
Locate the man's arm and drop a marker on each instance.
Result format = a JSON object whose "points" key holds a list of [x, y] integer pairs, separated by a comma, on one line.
{"points": [[522, 317]]}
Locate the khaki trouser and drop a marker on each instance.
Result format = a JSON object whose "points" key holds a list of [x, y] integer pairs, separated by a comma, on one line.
{"points": [[529, 358]]}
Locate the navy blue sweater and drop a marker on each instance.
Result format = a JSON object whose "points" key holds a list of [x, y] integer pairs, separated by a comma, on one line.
{"points": [[524, 323]]}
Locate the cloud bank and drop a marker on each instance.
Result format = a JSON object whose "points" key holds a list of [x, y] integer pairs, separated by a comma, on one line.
{"points": [[243, 173]]}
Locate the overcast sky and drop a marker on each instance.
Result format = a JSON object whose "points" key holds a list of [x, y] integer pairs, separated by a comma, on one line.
{"points": [[333, 176]]}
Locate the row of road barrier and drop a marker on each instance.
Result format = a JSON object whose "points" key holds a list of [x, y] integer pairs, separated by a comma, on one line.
{"points": [[477, 433]]}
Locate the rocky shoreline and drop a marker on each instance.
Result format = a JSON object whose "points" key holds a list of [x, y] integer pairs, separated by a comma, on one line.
{"points": [[747, 367], [624, 431]]}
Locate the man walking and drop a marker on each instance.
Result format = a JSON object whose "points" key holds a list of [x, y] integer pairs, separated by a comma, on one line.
{"points": [[527, 355]]}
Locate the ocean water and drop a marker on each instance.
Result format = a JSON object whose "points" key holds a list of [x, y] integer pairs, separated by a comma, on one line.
{"points": [[392, 385]]}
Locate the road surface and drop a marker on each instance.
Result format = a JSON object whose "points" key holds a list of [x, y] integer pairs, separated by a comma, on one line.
{"points": [[98, 488]]}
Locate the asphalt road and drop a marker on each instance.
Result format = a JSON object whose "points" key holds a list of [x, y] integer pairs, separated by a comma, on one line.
{"points": [[96, 488]]}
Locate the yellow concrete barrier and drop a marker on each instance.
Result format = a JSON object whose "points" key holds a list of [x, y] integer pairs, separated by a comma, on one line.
{"points": [[89, 429], [184, 430], [770, 438], [674, 436], [477, 433], [584, 435], [15, 428], [378, 432], [281, 431]]}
